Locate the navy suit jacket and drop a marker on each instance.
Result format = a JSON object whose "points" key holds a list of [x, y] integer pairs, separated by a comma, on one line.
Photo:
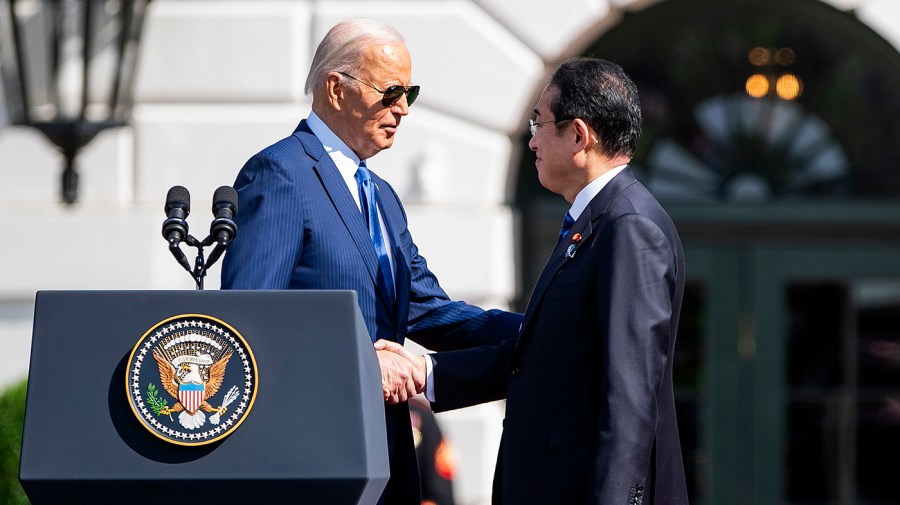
{"points": [[590, 413], [299, 228]]}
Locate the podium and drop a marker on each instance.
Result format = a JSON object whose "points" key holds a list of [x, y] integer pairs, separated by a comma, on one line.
{"points": [[307, 426]]}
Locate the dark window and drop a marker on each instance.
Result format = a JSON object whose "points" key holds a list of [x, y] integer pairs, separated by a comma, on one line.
{"points": [[761, 100]]}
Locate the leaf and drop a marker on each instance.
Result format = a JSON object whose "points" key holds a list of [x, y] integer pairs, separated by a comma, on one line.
{"points": [[156, 403]]}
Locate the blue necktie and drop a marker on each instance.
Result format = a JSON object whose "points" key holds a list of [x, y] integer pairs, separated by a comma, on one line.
{"points": [[566, 226], [369, 208]]}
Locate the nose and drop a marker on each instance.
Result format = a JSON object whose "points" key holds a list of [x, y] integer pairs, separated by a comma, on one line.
{"points": [[532, 145], [401, 106]]}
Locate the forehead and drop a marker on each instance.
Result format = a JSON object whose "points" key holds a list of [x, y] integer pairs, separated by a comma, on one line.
{"points": [[387, 61]]}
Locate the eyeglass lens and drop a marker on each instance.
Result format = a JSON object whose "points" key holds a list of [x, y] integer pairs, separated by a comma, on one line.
{"points": [[393, 94]]}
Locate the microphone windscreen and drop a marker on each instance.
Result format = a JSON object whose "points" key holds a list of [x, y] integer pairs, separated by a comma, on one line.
{"points": [[178, 196], [225, 195]]}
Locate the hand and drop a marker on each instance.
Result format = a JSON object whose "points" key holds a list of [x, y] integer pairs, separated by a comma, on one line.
{"points": [[396, 377], [402, 372]]}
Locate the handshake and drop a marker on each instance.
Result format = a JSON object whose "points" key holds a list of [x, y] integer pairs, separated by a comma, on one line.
{"points": [[403, 373]]}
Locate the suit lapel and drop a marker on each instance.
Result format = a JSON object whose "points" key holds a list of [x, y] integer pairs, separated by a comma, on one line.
{"points": [[585, 226], [582, 227], [346, 208]]}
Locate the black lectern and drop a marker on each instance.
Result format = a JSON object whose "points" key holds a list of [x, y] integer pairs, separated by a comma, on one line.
{"points": [[304, 421]]}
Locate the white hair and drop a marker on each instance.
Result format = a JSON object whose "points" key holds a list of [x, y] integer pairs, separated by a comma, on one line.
{"points": [[342, 48]]}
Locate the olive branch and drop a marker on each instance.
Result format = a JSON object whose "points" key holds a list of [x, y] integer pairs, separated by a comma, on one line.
{"points": [[156, 403]]}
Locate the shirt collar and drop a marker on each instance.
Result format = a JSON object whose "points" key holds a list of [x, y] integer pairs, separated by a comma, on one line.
{"points": [[588, 193], [343, 156]]}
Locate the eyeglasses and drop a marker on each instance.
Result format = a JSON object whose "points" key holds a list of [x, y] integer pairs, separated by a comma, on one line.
{"points": [[532, 124], [393, 94]]}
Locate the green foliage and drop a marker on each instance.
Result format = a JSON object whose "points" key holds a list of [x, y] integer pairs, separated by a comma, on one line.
{"points": [[156, 403], [12, 415]]}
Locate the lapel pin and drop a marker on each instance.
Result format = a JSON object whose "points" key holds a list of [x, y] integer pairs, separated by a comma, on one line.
{"points": [[570, 252]]}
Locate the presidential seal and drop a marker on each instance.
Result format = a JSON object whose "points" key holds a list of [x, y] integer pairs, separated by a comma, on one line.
{"points": [[191, 380]]}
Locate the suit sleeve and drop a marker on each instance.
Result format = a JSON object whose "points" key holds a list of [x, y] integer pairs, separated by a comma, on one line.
{"points": [[472, 376], [269, 223], [435, 321], [440, 324], [635, 285]]}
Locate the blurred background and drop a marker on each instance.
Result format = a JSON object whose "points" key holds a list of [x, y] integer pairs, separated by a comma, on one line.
{"points": [[771, 132]]}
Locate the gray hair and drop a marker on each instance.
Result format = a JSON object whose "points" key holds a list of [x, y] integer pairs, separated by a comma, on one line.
{"points": [[342, 48]]}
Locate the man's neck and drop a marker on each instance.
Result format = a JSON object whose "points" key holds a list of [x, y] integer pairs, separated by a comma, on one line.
{"points": [[599, 164], [592, 167], [325, 114], [590, 190]]}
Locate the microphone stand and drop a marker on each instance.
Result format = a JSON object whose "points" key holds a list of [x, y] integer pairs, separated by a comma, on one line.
{"points": [[201, 264]]}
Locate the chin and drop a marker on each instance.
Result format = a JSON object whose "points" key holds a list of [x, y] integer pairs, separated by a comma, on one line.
{"points": [[385, 143], [544, 183]]}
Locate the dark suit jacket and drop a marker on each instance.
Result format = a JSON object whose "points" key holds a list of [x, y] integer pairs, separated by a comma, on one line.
{"points": [[590, 414], [299, 228]]}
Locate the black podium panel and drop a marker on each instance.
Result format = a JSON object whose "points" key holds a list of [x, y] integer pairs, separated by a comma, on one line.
{"points": [[315, 432]]}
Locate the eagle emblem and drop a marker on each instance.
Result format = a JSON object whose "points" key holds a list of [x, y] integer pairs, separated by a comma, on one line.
{"points": [[196, 359], [181, 377]]}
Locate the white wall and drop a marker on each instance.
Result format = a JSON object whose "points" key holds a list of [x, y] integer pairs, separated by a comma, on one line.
{"points": [[219, 80]]}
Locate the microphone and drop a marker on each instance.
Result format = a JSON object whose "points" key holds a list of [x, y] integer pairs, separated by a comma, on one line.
{"points": [[178, 206], [225, 207], [223, 228], [175, 227], [221, 231]]}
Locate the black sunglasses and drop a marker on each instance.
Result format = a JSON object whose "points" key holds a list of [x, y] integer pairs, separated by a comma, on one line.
{"points": [[393, 93]]}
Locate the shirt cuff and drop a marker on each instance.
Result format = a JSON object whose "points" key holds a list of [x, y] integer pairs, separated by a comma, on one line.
{"points": [[429, 378]]}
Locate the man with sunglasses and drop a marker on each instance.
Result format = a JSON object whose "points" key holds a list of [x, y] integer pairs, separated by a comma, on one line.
{"points": [[590, 409], [314, 216]]}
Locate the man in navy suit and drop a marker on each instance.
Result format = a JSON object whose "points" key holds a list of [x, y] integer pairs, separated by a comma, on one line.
{"points": [[590, 412], [308, 220]]}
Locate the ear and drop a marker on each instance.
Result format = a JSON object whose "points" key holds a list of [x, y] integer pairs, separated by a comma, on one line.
{"points": [[584, 135], [334, 90]]}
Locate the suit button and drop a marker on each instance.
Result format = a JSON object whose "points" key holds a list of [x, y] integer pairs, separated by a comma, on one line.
{"points": [[515, 372]]}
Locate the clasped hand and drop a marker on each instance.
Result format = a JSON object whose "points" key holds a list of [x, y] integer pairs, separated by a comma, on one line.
{"points": [[402, 372]]}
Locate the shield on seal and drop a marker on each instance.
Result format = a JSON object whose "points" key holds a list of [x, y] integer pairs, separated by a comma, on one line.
{"points": [[191, 396]]}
